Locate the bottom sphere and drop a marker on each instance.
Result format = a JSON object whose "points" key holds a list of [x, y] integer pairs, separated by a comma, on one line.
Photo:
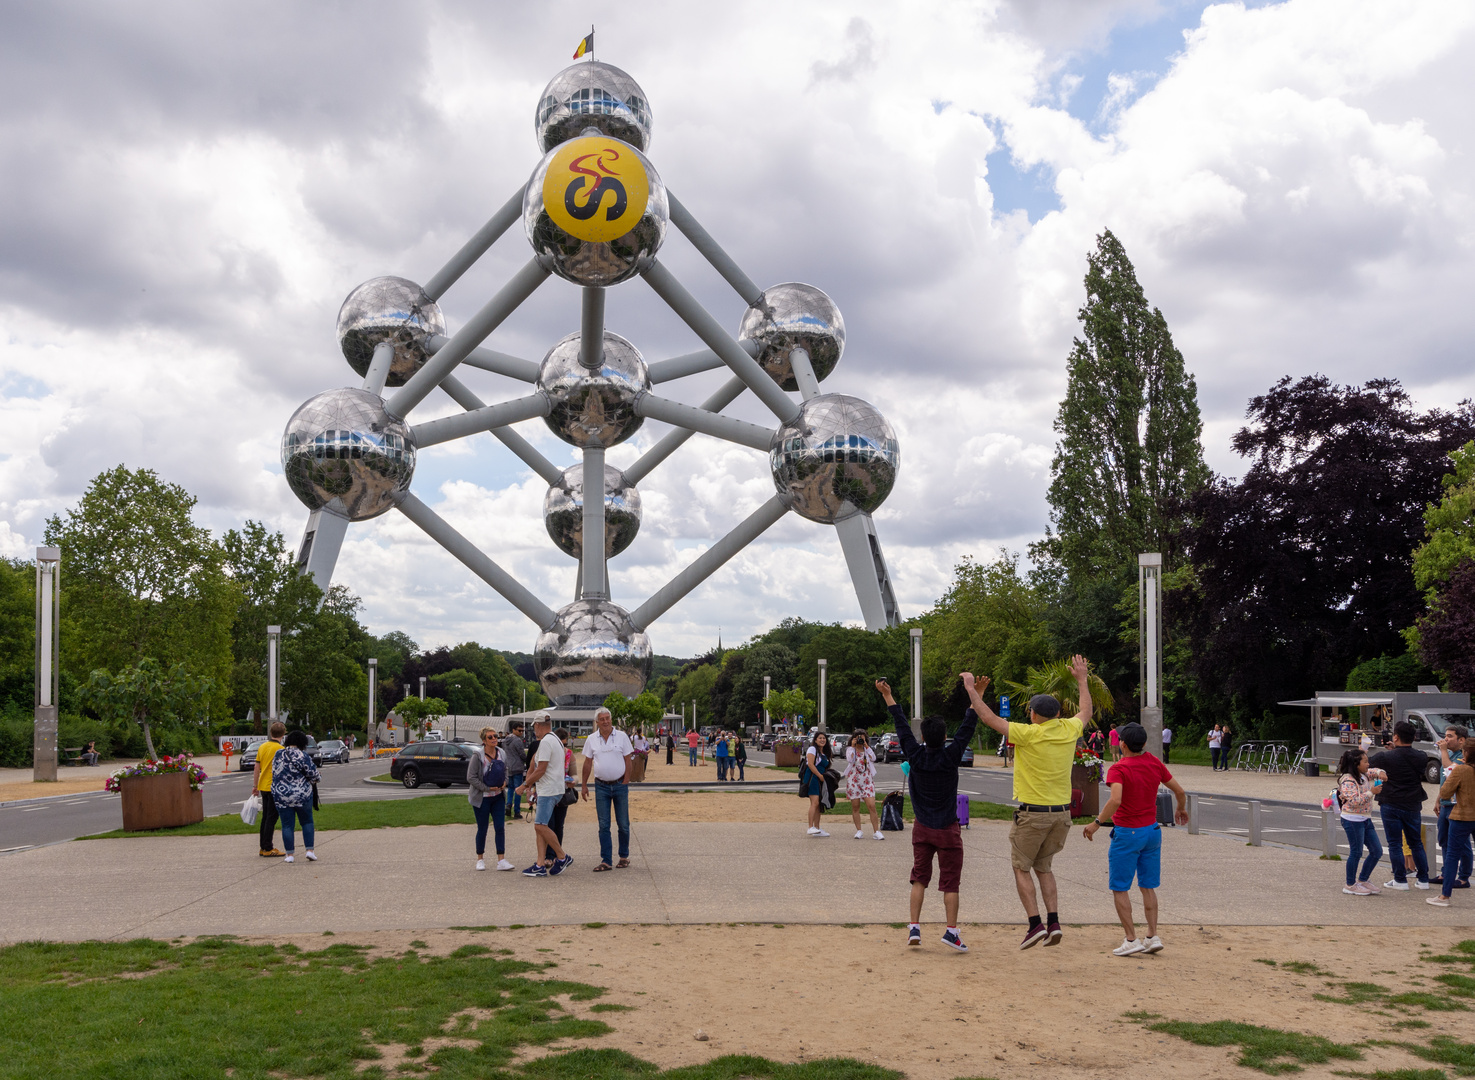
{"points": [[591, 651]]}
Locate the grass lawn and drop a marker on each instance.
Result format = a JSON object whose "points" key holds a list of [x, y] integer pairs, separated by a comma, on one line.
{"points": [[385, 814], [219, 1007]]}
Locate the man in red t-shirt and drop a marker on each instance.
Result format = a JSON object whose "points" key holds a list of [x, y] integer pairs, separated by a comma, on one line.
{"points": [[1136, 837], [692, 738]]}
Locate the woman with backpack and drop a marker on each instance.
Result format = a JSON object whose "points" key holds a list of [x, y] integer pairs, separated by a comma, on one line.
{"points": [[486, 775], [294, 781], [860, 782], [812, 778], [1356, 785]]}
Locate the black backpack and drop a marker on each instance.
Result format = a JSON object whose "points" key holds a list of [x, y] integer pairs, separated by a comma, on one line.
{"points": [[891, 819]]}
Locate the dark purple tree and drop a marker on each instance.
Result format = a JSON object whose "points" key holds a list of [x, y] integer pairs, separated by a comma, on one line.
{"points": [[1447, 632], [1303, 565]]}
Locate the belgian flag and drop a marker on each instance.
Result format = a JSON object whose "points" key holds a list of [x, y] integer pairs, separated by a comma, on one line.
{"points": [[585, 46]]}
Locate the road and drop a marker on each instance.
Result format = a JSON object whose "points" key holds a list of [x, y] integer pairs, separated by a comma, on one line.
{"points": [[33, 822]]}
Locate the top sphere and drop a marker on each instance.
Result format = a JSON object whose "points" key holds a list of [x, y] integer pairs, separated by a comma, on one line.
{"points": [[791, 316], [390, 309], [838, 458], [592, 95], [343, 451]]}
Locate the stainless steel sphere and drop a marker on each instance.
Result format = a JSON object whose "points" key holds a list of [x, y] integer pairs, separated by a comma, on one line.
{"points": [[595, 211], [837, 459], [592, 95], [563, 511], [593, 408], [388, 309], [343, 451], [790, 316], [592, 650]]}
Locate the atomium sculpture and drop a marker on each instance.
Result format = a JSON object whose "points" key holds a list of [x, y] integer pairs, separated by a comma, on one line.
{"points": [[596, 214]]}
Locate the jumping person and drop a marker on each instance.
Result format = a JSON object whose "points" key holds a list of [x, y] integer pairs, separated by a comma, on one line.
{"points": [[1136, 837], [931, 767], [546, 777], [1044, 750]]}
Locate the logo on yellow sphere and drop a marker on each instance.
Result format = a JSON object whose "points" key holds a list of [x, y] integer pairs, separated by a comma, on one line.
{"points": [[596, 189]]}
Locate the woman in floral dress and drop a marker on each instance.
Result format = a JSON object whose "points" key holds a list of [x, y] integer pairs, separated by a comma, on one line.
{"points": [[860, 782], [292, 778]]}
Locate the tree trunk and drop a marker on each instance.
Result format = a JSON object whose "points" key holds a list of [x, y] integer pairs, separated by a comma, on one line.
{"points": [[148, 742]]}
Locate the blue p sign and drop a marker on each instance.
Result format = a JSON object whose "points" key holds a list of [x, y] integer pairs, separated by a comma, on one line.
{"points": [[1004, 705]]}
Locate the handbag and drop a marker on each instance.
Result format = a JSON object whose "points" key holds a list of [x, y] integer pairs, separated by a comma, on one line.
{"points": [[315, 804], [251, 808], [570, 796]]}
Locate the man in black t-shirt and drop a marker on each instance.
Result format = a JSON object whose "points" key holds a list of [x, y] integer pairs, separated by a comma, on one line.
{"points": [[1401, 802]]}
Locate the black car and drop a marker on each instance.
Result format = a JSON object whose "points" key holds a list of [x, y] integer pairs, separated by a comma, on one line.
{"points": [[438, 763], [889, 748], [334, 751], [967, 761]]}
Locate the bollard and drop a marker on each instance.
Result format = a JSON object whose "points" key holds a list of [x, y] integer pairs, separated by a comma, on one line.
{"points": [[1254, 823], [1328, 836], [1192, 814]]}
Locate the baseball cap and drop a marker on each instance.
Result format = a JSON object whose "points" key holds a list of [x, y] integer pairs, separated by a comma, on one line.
{"points": [[1134, 737], [1046, 705]]}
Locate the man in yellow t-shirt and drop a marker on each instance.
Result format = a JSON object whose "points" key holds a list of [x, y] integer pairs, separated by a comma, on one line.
{"points": [[261, 782], [1044, 750]]}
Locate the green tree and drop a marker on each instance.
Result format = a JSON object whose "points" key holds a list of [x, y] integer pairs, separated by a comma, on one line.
{"points": [[325, 682], [1449, 525], [1055, 678], [793, 705], [644, 710], [141, 579], [745, 706], [855, 658], [463, 692], [418, 713], [1129, 429], [148, 695], [696, 684], [17, 635]]}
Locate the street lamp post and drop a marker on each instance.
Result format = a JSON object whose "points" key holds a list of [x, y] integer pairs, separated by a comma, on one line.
{"points": [[48, 648], [422, 687], [273, 672], [455, 718], [767, 720], [917, 683], [1150, 645], [824, 669], [373, 690]]}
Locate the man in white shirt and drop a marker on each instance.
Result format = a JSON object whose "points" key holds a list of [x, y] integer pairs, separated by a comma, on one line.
{"points": [[545, 776], [1167, 742], [607, 755]]}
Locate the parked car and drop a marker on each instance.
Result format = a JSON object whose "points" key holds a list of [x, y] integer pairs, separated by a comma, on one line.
{"points": [[889, 748], [333, 751], [438, 763], [314, 752], [967, 761], [248, 755]]}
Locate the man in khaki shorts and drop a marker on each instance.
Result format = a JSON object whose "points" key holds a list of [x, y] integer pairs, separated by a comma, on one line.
{"points": [[1044, 750]]}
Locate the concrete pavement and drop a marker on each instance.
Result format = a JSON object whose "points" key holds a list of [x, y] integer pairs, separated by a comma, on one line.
{"points": [[422, 878]]}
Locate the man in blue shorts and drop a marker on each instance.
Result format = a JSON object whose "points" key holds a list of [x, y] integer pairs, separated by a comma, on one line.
{"points": [[1136, 837]]}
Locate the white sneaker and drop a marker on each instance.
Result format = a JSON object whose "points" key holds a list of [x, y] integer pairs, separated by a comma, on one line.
{"points": [[812, 830], [1129, 947], [1153, 944], [1397, 886], [820, 832], [311, 857], [880, 836], [503, 864], [481, 864], [859, 833], [1421, 885], [1438, 900], [289, 859]]}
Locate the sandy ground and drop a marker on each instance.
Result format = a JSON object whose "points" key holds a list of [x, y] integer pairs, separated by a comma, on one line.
{"points": [[799, 993]]}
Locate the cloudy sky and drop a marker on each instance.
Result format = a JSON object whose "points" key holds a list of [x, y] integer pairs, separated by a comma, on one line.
{"points": [[187, 192]]}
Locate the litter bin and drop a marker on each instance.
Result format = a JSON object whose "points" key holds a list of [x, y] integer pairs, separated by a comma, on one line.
{"points": [[1311, 768]]}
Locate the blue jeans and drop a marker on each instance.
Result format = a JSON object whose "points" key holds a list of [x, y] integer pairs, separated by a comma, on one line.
{"points": [[290, 816], [490, 813], [1462, 872], [514, 781], [606, 792], [1456, 853], [722, 768], [738, 763], [1403, 825], [1362, 836], [693, 755]]}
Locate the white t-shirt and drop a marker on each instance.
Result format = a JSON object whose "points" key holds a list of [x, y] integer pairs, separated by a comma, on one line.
{"points": [[1214, 738], [608, 755], [551, 751], [1167, 735]]}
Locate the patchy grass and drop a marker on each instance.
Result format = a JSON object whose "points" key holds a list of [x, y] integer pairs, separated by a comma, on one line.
{"points": [[1443, 1050], [1268, 1049], [374, 814], [1303, 967], [1362, 993]]}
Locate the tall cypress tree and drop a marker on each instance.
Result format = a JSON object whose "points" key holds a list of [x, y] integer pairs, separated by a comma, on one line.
{"points": [[1129, 450]]}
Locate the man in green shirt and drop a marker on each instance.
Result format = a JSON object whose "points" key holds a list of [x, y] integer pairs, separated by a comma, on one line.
{"points": [[1044, 750]]}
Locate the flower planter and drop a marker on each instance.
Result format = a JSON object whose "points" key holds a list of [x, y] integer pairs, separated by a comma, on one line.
{"points": [[164, 801], [1090, 790], [637, 768], [786, 754]]}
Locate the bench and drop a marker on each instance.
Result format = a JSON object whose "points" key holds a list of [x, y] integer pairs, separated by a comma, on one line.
{"points": [[73, 755]]}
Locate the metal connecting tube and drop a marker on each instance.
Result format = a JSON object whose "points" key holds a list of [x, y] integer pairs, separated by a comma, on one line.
{"points": [[678, 367], [486, 418], [499, 363], [592, 582], [804, 373], [672, 440], [378, 373], [476, 247], [591, 329], [461, 394], [712, 251], [708, 423]]}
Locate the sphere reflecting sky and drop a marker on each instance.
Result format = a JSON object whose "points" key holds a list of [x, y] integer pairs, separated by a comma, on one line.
{"points": [[593, 407], [838, 458], [342, 450], [392, 309], [789, 316], [591, 651], [563, 512], [592, 94]]}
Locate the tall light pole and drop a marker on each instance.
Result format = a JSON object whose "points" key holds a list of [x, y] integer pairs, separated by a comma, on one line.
{"points": [[273, 671], [455, 717], [422, 687], [917, 683], [1150, 646], [373, 690], [767, 720], [824, 669], [48, 648]]}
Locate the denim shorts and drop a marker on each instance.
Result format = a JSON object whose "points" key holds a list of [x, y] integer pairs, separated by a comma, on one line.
{"points": [[1136, 852], [546, 805]]}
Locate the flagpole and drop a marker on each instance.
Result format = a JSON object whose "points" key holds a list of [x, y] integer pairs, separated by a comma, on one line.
{"points": [[591, 43]]}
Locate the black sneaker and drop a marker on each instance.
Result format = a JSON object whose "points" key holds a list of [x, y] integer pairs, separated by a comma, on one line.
{"points": [[1055, 933], [1033, 936], [560, 865], [914, 935], [536, 870]]}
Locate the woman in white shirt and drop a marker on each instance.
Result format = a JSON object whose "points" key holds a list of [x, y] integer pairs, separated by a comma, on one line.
{"points": [[860, 782]]}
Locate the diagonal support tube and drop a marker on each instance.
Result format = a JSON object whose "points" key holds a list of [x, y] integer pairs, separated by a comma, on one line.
{"points": [[500, 363], [804, 373], [709, 562], [593, 583], [719, 341], [461, 394], [484, 419], [591, 329], [678, 367], [673, 440], [712, 251], [523, 284], [476, 247], [378, 373], [708, 423], [504, 583]]}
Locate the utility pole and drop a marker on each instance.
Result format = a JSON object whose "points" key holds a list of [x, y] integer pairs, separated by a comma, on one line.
{"points": [[917, 684], [824, 668], [767, 720], [373, 690], [48, 648], [273, 671], [1150, 646]]}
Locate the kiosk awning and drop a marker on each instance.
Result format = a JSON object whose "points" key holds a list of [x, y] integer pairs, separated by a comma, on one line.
{"points": [[1342, 701]]}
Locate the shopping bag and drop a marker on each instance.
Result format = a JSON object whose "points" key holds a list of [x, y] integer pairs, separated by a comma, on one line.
{"points": [[251, 809]]}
